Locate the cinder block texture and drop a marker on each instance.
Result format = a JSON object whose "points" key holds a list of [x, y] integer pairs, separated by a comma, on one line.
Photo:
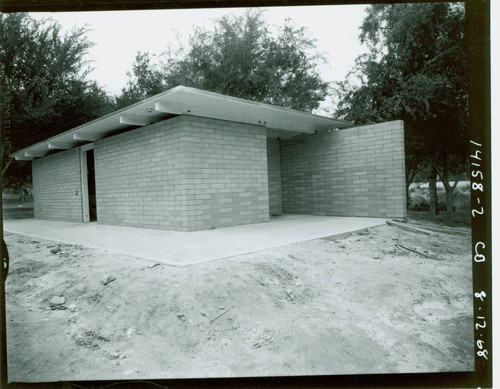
{"points": [[138, 174], [187, 173], [358, 171], [226, 173], [57, 184], [274, 176]]}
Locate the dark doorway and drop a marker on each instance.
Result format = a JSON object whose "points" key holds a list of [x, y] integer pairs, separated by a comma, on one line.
{"points": [[91, 185]]}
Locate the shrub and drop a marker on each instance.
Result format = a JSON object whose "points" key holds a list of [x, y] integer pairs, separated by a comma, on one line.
{"points": [[420, 204]]}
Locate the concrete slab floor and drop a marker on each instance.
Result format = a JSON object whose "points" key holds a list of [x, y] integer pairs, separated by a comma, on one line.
{"points": [[188, 248]]}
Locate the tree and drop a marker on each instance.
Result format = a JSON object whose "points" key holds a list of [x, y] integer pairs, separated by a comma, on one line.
{"points": [[44, 90], [239, 57], [145, 80], [415, 71]]}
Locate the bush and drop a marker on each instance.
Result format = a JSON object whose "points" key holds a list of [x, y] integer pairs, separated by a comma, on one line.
{"points": [[419, 197], [420, 206]]}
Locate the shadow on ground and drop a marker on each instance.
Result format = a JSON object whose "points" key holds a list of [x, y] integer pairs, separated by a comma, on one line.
{"points": [[16, 209]]}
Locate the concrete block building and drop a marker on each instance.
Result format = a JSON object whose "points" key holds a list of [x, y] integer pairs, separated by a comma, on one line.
{"points": [[188, 160]]}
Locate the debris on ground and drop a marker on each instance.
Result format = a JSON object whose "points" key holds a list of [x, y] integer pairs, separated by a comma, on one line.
{"points": [[407, 227], [107, 279], [357, 304], [56, 250], [94, 298], [445, 229], [423, 254], [220, 314], [89, 339], [57, 302], [114, 355]]}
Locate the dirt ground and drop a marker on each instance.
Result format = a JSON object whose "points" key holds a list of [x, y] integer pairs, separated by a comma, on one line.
{"points": [[355, 305]]}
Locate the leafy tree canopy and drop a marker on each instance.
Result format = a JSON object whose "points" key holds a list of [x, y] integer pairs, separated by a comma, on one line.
{"points": [[415, 71], [416, 68], [145, 80], [43, 84], [240, 57]]}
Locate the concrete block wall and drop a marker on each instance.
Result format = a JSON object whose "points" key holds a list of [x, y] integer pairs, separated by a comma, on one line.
{"points": [[274, 176], [358, 171], [139, 177], [226, 173], [187, 173], [57, 184]]}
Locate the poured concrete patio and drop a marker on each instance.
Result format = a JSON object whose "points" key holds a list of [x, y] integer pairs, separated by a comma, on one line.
{"points": [[188, 248]]}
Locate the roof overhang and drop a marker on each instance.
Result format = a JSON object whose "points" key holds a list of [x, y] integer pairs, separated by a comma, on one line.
{"points": [[181, 100]]}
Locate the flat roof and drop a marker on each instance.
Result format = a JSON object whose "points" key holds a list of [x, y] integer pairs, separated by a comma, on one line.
{"points": [[181, 100]]}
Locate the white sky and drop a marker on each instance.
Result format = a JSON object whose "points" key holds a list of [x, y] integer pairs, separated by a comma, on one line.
{"points": [[118, 35]]}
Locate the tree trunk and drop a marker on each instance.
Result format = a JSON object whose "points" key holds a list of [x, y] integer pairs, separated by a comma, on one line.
{"points": [[409, 178], [450, 219], [445, 176], [433, 199], [408, 196], [410, 175]]}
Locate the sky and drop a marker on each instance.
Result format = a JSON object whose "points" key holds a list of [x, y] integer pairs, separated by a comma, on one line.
{"points": [[119, 35]]}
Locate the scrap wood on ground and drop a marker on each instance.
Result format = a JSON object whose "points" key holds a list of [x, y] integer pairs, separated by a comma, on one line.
{"points": [[418, 226]]}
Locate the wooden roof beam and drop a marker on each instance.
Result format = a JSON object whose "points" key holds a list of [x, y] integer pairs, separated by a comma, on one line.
{"points": [[23, 158], [86, 136], [60, 146], [171, 107], [35, 154], [135, 120]]}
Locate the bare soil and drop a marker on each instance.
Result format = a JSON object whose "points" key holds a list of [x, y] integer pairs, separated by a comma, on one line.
{"points": [[354, 305]]}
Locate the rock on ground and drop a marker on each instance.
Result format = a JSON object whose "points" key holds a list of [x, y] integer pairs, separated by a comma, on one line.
{"points": [[56, 250], [108, 278], [57, 302]]}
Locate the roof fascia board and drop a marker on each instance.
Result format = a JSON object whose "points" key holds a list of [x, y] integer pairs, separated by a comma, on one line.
{"points": [[165, 102], [261, 105], [112, 115]]}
